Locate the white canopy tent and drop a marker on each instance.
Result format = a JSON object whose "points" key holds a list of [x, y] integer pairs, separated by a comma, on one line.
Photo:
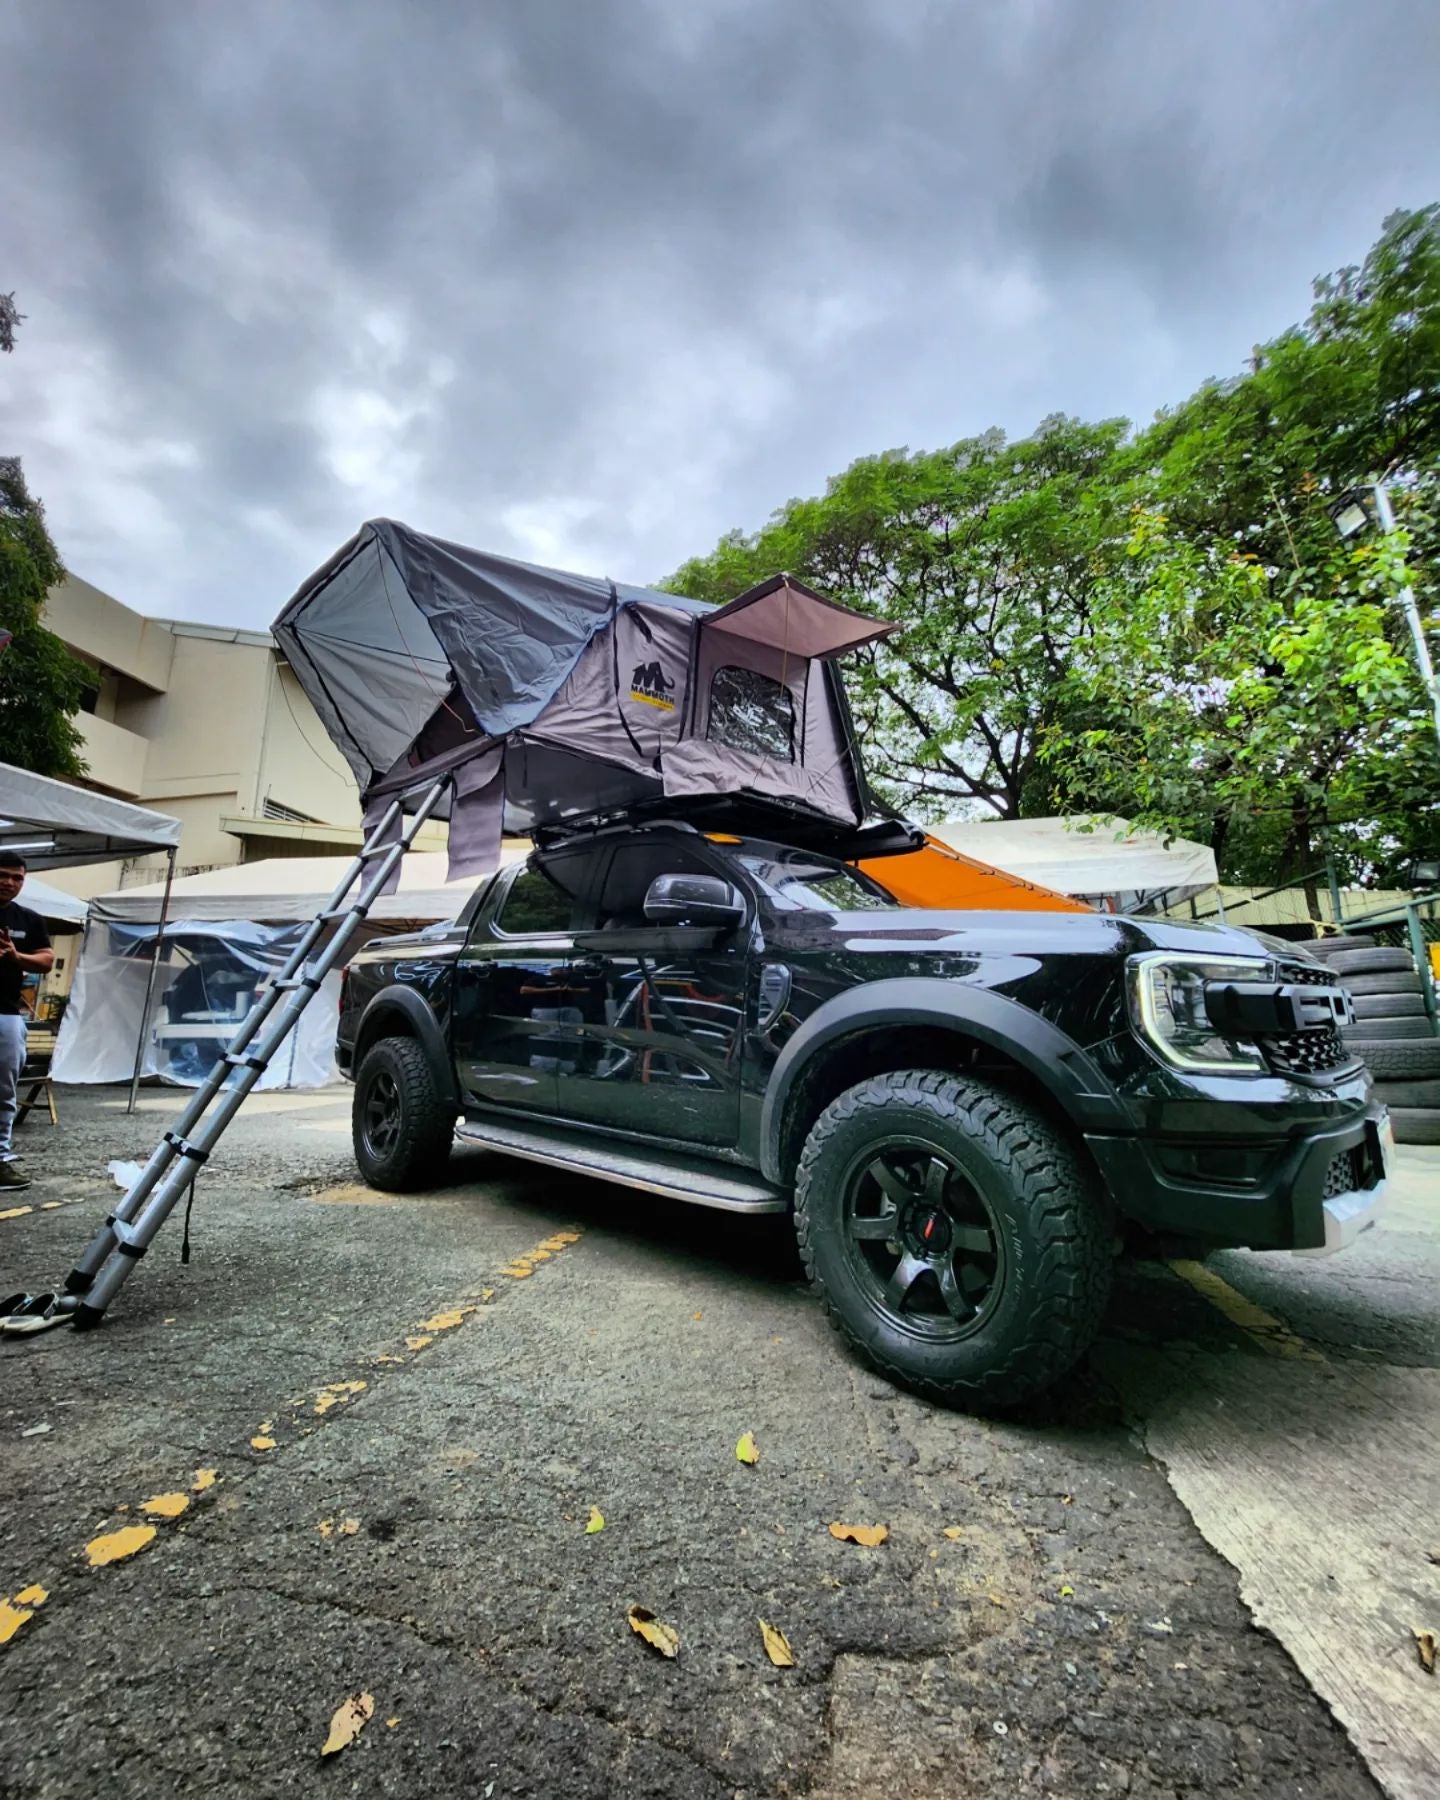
{"points": [[224, 936], [1101, 861], [55, 907], [56, 826], [282, 889]]}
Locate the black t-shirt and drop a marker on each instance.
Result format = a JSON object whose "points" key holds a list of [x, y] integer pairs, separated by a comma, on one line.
{"points": [[28, 934]]}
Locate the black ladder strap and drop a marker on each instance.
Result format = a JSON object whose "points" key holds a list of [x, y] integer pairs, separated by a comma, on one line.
{"points": [[183, 1147]]}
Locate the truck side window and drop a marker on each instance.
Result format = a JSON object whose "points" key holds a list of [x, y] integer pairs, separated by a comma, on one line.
{"points": [[749, 711], [544, 897]]}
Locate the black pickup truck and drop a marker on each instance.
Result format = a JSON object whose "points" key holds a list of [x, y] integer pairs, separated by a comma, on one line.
{"points": [[970, 1113]]}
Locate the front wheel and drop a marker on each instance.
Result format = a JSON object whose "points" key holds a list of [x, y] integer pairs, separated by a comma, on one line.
{"points": [[955, 1237], [401, 1124]]}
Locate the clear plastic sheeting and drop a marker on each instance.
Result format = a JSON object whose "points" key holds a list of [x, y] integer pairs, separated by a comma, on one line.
{"points": [[210, 975]]}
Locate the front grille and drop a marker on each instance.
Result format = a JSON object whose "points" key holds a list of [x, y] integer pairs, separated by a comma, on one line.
{"points": [[1314, 1052], [1349, 1170]]}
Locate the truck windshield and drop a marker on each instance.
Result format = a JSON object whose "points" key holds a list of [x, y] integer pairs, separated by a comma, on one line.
{"points": [[797, 880]]}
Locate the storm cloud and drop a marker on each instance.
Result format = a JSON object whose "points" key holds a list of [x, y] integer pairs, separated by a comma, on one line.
{"points": [[592, 281]]}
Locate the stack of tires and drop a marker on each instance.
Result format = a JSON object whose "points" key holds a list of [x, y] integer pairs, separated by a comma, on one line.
{"points": [[1392, 1031]]}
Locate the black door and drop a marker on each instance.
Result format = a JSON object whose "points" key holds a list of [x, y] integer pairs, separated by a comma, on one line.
{"points": [[516, 1021], [663, 1028]]}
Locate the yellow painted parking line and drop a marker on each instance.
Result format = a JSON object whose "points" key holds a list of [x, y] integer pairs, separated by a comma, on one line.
{"points": [[1259, 1326]]}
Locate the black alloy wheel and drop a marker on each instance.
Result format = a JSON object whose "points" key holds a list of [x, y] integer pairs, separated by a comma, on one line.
{"points": [[402, 1121], [957, 1237], [923, 1241], [380, 1116]]}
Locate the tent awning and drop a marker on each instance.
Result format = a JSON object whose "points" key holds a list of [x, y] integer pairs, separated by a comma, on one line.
{"points": [[281, 888], [1112, 860], [56, 826]]}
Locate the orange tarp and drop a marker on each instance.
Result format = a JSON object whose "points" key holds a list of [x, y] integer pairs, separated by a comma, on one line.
{"points": [[936, 875]]}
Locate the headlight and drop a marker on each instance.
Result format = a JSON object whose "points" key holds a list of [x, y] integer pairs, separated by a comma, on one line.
{"points": [[1167, 1009]]}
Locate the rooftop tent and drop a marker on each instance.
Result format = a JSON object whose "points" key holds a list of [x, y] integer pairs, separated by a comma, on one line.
{"points": [[553, 696], [56, 826]]}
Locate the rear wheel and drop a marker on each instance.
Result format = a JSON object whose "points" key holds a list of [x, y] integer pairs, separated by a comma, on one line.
{"points": [[956, 1239], [401, 1124]]}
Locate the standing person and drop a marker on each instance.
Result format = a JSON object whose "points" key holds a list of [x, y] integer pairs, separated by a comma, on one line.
{"points": [[24, 950]]}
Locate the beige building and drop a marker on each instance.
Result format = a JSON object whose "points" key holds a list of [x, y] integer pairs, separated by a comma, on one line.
{"points": [[206, 723]]}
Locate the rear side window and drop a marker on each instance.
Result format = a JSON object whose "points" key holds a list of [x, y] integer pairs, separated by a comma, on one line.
{"points": [[749, 711], [544, 897]]}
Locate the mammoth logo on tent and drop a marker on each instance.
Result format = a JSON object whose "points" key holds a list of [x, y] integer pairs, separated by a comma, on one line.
{"points": [[651, 684]]}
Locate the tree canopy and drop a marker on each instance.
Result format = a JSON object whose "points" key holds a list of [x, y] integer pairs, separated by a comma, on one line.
{"points": [[41, 683], [1162, 624]]}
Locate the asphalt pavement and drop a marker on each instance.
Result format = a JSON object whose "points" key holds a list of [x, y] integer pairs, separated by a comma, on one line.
{"points": [[360, 1438]]}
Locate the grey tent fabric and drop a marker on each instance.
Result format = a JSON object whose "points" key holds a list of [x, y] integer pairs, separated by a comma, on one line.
{"points": [[421, 655], [56, 826], [476, 817]]}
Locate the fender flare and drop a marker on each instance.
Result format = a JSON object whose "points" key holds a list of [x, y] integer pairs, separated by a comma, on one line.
{"points": [[1065, 1070], [403, 1002]]}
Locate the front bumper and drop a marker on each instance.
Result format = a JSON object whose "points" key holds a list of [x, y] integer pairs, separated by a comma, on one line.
{"points": [[1315, 1192]]}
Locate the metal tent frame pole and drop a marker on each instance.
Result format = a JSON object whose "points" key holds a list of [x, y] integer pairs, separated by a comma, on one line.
{"points": [[156, 954], [174, 1163]]}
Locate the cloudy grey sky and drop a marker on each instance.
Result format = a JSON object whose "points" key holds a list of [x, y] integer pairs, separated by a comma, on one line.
{"points": [[593, 281]]}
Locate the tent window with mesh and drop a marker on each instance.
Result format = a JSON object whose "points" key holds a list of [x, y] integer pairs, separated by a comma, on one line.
{"points": [[750, 712]]}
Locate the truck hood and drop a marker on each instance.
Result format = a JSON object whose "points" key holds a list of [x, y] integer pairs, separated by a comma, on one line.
{"points": [[1035, 933]]}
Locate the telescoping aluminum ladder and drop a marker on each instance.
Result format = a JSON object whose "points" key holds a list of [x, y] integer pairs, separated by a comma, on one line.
{"points": [[175, 1161]]}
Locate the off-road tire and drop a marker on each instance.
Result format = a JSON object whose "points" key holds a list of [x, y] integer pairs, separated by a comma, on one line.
{"points": [[1379, 961], [1337, 946], [1394, 982], [1422, 1094], [1397, 1062], [1387, 1031], [416, 1154], [1415, 1127], [1390, 1006], [1055, 1248]]}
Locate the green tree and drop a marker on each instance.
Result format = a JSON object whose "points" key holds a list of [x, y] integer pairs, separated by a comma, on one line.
{"points": [[989, 555], [41, 683]]}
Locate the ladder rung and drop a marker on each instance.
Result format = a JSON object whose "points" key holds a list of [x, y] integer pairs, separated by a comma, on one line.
{"points": [[298, 981], [336, 912]]}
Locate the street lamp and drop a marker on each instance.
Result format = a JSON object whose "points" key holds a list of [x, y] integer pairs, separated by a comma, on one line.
{"points": [[1366, 505]]}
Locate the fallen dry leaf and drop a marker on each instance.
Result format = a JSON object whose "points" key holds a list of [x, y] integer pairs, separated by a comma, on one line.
{"points": [[115, 1546], [660, 1637], [596, 1522], [777, 1646], [204, 1478], [347, 1528], [1425, 1645], [869, 1535], [262, 1443], [14, 1614], [391, 1723], [325, 1527], [745, 1450], [165, 1506], [699, 1315], [953, 1532], [349, 1721]]}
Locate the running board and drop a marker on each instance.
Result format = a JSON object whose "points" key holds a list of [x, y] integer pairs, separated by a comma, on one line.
{"points": [[677, 1176]]}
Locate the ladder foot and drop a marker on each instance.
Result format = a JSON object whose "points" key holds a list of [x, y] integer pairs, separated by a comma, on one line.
{"points": [[77, 1281], [87, 1317]]}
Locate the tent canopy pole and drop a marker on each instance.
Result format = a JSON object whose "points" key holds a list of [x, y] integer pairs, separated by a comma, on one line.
{"points": [[150, 981]]}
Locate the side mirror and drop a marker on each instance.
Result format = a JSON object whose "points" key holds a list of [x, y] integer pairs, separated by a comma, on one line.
{"points": [[693, 900]]}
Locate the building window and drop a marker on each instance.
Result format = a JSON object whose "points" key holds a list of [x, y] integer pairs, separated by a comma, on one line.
{"points": [[750, 712]]}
